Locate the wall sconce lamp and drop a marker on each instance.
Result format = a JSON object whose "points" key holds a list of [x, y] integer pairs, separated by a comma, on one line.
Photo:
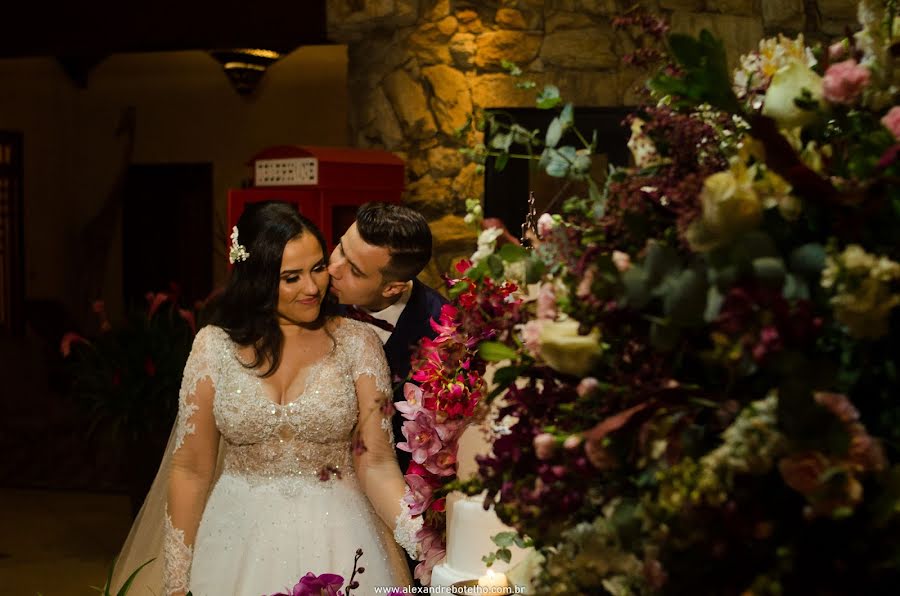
{"points": [[245, 67]]}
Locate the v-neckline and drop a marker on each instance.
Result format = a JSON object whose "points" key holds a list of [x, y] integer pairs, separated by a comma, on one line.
{"points": [[264, 390]]}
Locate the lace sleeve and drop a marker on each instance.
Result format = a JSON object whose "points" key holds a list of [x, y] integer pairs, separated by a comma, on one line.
{"points": [[368, 359], [194, 454], [375, 458]]}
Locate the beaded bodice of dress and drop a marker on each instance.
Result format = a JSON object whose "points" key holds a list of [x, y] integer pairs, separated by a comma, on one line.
{"points": [[309, 436]]}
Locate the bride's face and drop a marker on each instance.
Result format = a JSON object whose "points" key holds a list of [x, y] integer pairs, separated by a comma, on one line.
{"points": [[304, 280]]}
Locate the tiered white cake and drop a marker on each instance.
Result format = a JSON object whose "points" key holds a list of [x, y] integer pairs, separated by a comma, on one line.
{"points": [[469, 526]]}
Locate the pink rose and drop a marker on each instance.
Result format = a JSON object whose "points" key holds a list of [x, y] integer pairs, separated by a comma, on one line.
{"points": [[891, 121], [845, 81]]}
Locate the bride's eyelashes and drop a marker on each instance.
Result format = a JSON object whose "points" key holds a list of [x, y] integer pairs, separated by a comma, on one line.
{"points": [[320, 268]]}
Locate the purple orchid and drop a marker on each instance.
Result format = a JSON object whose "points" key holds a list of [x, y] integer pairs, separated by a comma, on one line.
{"points": [[327, 584]]}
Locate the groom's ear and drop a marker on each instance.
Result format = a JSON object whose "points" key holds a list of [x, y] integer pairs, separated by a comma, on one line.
{"points": [[394, 288]]}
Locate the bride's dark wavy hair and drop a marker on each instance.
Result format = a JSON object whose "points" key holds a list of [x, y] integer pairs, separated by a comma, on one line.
{"points": [[247, 309]]}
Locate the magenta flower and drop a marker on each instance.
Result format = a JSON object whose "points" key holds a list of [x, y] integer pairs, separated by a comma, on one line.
{"points": [[844, 82], [327, 584], [420, 493], [421, 437]]}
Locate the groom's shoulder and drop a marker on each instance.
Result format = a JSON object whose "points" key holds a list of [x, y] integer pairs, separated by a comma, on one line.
{"points": [[430, 300]]}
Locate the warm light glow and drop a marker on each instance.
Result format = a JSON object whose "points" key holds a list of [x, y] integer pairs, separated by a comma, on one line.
{"points": [[493, 580], [244, 65], [270, 54]]}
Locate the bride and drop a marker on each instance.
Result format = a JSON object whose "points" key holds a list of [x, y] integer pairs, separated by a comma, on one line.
{"points": [[281, 460]]}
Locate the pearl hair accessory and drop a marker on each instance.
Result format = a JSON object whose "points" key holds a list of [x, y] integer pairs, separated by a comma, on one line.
{"points": [[237, 251]]}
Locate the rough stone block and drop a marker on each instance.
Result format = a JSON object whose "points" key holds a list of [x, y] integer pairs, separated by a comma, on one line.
{"points": [[589, 48], [410, 104], [516, 46], [783, 13], [451, 101], [739, 34]]}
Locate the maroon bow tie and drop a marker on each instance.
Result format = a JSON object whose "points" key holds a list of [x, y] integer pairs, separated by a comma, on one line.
{"points": [[361, 315]]}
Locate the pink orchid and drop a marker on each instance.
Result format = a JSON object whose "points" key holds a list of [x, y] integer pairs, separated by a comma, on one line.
{"points": [[432, 552], [65, 345], [421, 437], [844, 82], [442, 463], [420, 494]]}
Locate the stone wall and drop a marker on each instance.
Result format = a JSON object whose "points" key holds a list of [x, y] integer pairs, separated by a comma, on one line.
{"points": [[417, 68]]}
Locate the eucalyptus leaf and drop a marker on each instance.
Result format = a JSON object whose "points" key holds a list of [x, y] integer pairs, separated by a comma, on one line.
{"points": [[770, 270], [504, 554], [554, 133], [504, 539], [582, 163], [502, 141], [567, 116], [661, 259], [685, 302], [501, 161], [548, 98], [808, 260], [635, 282]]}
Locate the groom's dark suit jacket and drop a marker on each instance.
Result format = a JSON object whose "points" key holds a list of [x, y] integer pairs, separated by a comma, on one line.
{"points": [[414, 323]]}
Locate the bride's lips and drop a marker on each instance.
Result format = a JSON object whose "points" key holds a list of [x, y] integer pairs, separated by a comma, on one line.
{"points": [[309, 301]]}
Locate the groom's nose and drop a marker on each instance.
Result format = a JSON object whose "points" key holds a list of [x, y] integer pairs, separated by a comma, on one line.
{"points": [[335, 266]]}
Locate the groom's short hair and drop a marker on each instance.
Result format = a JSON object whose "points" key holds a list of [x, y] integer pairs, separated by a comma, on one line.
{"points": [[402, 231]]}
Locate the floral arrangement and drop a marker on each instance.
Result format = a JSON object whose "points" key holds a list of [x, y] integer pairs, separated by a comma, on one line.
{"points": [[437, 410], [699, 359]]}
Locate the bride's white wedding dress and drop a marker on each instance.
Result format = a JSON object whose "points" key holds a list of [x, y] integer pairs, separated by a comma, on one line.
{"points": [[287, 499]]}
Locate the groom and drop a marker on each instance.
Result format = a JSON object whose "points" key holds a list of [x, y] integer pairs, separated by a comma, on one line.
{"points": [[373, 273]]}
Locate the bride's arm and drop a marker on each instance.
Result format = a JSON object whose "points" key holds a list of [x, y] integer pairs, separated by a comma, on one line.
{"points": [[374, 457], [193, 466]]}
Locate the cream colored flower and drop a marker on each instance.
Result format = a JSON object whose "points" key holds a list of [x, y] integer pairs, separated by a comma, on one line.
{"points": [[730, 205], [787, 85], [564, 350]]}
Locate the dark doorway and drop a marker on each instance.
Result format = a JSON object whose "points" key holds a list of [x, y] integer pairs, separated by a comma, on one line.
{"points": [[506, 191], [12, 223], [167, 230]]}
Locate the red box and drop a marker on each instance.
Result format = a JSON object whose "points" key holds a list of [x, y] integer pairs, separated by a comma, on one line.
{"points": [[327, 184]]}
